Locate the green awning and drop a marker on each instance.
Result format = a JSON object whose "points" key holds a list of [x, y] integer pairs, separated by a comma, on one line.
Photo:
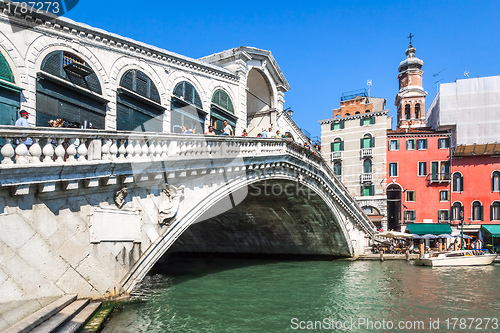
{"points": [[429, 228], [492, 230]]}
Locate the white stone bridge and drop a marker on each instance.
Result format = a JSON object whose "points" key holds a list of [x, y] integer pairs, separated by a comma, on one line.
{"points": [[91, 211]]}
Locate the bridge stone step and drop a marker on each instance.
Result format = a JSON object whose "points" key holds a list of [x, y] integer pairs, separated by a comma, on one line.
{"points": [[60, 318], [80, 319], [37, 318]]}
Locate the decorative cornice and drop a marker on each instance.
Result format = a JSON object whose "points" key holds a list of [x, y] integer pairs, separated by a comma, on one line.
{"points": [[417, 135], [98, 37], [355, 116]]}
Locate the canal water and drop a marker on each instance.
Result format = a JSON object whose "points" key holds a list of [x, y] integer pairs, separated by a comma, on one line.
{"points": [[236, 295]]}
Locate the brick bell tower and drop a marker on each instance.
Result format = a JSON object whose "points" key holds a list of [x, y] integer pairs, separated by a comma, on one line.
{"points": [[410, 99]]}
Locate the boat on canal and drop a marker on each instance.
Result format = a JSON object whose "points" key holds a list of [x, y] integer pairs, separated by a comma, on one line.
{"points": [[456, 258]]}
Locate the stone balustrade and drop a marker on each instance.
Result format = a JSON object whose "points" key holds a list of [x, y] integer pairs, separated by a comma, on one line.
{"points": [[82, 146], [54, 151]]}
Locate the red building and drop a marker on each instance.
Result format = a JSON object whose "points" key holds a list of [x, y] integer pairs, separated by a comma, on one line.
{"points": [[418, 177]]}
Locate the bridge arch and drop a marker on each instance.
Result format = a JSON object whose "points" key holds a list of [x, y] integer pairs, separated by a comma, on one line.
{"points": [[238, 187]]}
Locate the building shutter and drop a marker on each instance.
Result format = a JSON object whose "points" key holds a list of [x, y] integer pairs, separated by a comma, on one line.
{"points": [[372, 142], [5, 72]]}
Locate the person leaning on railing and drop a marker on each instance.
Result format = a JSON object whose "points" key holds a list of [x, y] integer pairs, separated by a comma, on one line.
{"points": [[23, 122]]}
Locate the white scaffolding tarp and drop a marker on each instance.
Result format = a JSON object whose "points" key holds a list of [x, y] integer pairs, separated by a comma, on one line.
{"points": [[471, 107]]}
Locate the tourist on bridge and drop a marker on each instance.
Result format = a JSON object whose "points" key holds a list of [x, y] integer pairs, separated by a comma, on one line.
{"points": [[185, 130], [23, 122], [244, 133], [210, 131], [228, 130]]}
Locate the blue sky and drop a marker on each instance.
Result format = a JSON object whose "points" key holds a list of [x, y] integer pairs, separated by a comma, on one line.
{"points": [[324, 48]]}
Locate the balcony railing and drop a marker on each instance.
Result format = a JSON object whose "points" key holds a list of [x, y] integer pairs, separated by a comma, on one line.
{"points": [[366, 178], [366, 152], [439, 178], [336, 155]]}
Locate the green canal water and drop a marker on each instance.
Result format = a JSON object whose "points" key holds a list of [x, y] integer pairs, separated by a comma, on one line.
{"points": [[231, 295]]}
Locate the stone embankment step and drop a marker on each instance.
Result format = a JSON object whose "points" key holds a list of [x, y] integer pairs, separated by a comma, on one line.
{"points": [[64, 315]]}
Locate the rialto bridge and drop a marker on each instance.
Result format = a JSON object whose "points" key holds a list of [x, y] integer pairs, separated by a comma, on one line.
{"points": [[91, 211]]}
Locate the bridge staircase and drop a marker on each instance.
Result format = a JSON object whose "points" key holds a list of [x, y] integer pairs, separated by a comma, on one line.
{"points": [[67, 314]]}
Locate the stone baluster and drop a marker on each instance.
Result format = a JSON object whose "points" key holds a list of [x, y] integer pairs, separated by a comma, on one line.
{"points": [[152, 149], [130, 149], [7, 152], [82, 151], [183, 148], [71, 150], [159, 149], [144, 149], [48, 151], [203, 148], [122, 150], [35, 151], [137, 149], [21, 154], [60, 151], [113, 149], [105, 150], [164, 150]]}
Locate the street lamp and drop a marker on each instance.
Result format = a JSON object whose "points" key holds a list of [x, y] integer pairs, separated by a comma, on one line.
{"points": [[289, 111], [462, 232]]}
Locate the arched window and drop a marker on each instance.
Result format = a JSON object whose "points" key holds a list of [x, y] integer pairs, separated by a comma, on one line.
{"points": [[367, 111], [337, 168], [10, 95], [138, 104], [68, 88], [495, 181], [458, 182], [187, 109], [220, 110], [495, 211], [357, 112], [5, 72], [347, 114], [456, 208], [477, 211], [337, 145], [407, 112], [368, 141], [417, 111], [367, 166]]}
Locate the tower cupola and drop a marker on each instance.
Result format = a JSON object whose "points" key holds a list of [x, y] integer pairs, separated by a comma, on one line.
{"points": [[410, 99]]}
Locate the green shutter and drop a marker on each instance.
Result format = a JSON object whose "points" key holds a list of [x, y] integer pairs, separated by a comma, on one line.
{"points": [[372, 142], [332, 146], [342, 145], [5, 72], [332, 126], [372, 120]]}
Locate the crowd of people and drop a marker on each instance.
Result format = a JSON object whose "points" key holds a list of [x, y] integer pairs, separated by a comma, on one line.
{"points": [[229, 131]]}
